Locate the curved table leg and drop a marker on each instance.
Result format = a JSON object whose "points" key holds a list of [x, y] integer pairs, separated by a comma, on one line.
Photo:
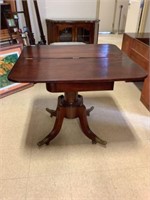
{"points": [[82, 113], [53, 112], [71, 106], [55, 130]]}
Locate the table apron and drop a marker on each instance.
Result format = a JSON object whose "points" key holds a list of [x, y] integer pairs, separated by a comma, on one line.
{"points": [[69, 87]]}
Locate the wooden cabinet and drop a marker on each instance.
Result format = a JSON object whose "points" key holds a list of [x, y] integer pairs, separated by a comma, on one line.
{"points": [[72, 30], [8, 6], [137, 47]]}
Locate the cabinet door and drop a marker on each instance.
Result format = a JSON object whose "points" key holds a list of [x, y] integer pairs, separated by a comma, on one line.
{"points": [[65, 33], [8, 5], [85, 33]]}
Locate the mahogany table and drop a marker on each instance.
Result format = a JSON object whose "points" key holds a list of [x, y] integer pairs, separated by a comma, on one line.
{"points": [[70, 69]]}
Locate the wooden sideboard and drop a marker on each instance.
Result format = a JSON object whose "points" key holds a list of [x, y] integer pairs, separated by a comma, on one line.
{"points": [[137, 47], [72, 30]]}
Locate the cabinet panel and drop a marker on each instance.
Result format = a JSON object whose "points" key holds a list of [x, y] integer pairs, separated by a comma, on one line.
{"points": [[64, 33], [6, 6], [136, 46], [72, 31], [85, 33]]}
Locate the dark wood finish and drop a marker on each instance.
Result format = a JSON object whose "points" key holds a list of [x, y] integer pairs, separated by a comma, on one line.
{"points": [[56, 26], [11, 6], [61, 87], [137, 47], [145, 96], [75, 64], [13, 28], [5, 7], [70, 69], [71, 106]]}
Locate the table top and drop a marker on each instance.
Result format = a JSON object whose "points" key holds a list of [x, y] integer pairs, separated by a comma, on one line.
{"points": [[74, 64]]}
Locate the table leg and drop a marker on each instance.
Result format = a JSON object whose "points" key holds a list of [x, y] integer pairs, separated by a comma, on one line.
{"points": [[82, 113], [71, 106], [55, 130]]}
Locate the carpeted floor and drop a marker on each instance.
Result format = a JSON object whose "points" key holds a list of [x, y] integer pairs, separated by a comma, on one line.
{"points": [[71, 168]]}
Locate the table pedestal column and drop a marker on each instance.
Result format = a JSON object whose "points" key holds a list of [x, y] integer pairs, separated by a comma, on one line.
{"points": [[71, 106]]}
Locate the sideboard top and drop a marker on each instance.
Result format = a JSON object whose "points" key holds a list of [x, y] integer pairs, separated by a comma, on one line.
{"points": [[73, 20], [138, 35]]}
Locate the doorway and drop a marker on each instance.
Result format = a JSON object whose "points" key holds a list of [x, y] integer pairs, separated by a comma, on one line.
{"points": [[112, 15]]}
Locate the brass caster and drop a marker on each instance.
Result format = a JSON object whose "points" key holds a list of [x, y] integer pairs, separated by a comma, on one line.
{"points": [[44, 141], [100, 141]]}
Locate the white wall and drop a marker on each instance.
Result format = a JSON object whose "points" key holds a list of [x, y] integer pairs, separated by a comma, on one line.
{"points": [[106, 15], [124, 12], [85, 9], [133, 16], [147, 25], [57, 9], [70, 8], [108, 12]]}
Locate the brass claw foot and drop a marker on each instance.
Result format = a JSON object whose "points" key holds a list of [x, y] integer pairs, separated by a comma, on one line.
{"points": [[100, 141], [44, 141]]}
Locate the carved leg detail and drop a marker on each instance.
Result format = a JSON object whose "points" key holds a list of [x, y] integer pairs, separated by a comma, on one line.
{"points": [[55, 130], [85, 128]]}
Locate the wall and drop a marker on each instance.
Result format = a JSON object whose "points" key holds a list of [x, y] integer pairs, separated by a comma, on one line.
{"points": [[123, 17], [70, 8], [106, 15], [57, 9], [134, 13], [147, 25], [85, 9], [133, 16], [109, 15]]}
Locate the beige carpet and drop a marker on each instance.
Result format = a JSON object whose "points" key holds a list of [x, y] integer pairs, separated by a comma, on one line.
{"points": [[71, 168]]}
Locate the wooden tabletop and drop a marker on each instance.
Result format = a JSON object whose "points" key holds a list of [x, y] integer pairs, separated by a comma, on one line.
{"points": [[74, 64]]}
